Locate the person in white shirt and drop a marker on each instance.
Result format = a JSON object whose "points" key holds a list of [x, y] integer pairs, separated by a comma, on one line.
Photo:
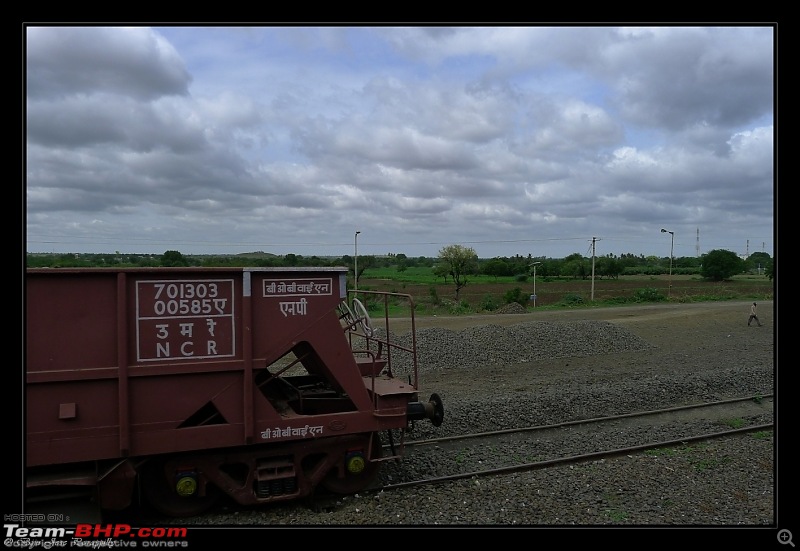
{"points": [[753, 316]]}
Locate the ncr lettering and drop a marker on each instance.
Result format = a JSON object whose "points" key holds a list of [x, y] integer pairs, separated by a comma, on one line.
{"points": [[185, 319]]}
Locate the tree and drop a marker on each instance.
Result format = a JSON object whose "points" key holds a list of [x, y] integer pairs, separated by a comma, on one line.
{"points": [[442, 270], [719, 265], [574, 265], [496, 267], [173, 258], [769, 269], [758, 261], [609, 267], [365, 262], [460, 262]]}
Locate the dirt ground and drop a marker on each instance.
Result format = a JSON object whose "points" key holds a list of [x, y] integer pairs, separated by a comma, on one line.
{"points": [[649, 320], [686, 338]]}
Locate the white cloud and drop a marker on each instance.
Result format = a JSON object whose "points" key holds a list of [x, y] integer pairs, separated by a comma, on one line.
{"points": [[286, 139]]}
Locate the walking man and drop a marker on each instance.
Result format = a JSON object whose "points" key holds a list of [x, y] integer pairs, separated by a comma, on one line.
{"points": [[753, 316]]}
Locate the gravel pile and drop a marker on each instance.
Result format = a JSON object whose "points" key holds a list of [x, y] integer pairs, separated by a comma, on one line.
{"points": [[538, 373], [440, 349]]}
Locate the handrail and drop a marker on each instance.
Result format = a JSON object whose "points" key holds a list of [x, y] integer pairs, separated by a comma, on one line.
{"points": [[390, 346]]}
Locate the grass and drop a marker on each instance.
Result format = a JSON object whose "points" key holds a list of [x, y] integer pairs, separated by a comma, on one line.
{"points": [[735, 423], [692, 454], [616, 515], [485, 294], [658, 452], [613, 512]]}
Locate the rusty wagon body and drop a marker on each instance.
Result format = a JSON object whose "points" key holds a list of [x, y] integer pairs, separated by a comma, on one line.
{"points": [[187, 384]]}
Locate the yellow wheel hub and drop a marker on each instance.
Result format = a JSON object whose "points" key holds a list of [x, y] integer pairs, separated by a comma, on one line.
{"points": [[186, 486]]}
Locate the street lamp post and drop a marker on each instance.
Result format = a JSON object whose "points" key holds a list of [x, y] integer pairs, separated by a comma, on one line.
{"points": [[355, 268], [534, 282], [671, 246]]}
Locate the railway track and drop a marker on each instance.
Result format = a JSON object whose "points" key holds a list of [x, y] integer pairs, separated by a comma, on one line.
{"points": [[530, 448], [503, 452]]}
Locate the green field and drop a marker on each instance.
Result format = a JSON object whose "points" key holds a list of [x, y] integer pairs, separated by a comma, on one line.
{"points": [[483, 294], [647, 282]]}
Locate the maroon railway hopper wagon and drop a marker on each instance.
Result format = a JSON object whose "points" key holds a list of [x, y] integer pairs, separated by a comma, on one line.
{"points": [[182, 385]]}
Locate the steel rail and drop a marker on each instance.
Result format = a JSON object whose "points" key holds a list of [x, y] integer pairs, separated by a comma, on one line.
{"points": [[577, 422], [525, 467]]}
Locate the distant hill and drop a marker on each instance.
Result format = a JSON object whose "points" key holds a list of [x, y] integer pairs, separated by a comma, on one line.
{"points": [[255, 254]]}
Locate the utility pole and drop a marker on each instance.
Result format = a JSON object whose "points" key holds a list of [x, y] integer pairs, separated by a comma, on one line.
{"points": [[593, 240], [671, 247], [697, 245], [355, 267], [533, 296]]}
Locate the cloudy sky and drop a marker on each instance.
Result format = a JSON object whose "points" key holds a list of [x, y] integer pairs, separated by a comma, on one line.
{"points": [[510, 140]]}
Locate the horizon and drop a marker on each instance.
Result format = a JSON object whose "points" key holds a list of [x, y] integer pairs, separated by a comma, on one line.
{"points": [[385, 255]]}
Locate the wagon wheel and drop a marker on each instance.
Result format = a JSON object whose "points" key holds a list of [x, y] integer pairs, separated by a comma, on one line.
{"points": [[363, 317], [351, 483], [159, 488]]}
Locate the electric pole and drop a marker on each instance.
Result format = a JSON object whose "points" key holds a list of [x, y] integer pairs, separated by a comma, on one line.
{"points": [[593, 240]]}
